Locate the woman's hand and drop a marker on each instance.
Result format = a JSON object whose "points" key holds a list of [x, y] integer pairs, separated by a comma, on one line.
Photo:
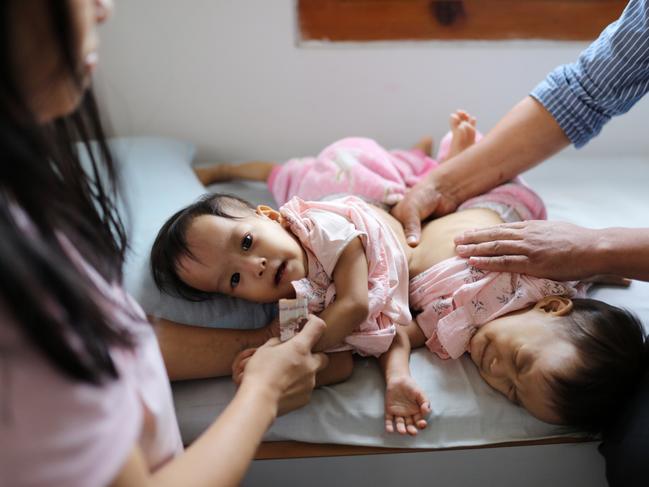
{"points": [[287, 369], [554, 250], [420, 202], [239, 364]]}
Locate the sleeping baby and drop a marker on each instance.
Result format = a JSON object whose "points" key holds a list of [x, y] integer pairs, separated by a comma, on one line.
{"points": [[566, 359]]}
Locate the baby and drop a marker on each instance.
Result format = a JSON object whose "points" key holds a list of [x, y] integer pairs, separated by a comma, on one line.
{"points": [[353, 165], [567, 360]]}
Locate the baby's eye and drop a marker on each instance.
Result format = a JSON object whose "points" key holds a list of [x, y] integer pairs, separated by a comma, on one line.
{"points": [[234, 280], [521, 362], [246, 243]]}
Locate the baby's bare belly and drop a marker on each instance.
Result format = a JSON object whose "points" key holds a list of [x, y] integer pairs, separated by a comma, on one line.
{"points": [[437, 236]]}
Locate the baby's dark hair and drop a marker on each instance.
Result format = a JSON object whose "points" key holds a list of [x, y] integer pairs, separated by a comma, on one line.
{"points": [[612, 356], [171, 242]]}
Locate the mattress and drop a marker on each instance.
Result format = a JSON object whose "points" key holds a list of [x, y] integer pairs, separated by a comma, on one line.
{"points": [[465, 410]]}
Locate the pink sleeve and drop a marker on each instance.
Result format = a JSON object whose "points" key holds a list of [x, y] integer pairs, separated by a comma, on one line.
{"points": [[54, 431], [329, 235]]}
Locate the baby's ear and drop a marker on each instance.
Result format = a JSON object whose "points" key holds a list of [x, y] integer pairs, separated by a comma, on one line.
{"points": [[555, 305], [268, 212]]}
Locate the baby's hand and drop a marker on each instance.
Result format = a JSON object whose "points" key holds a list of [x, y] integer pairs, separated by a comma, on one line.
{"points": [[271, 330], [239, 364], [405, 406]]}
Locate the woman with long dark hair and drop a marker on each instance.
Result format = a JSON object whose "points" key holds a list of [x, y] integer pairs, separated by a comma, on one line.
{"points": [[84, 399]]}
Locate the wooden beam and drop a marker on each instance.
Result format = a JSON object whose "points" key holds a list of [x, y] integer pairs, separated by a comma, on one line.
{"points": [[277, 450], [381, 20]]}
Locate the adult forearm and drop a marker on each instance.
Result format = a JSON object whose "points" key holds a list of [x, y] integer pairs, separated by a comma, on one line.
{"points": [[526, 136], [623, 252], [223, 453], [194, 352]]}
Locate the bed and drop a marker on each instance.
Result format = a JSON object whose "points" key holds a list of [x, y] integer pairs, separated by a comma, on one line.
{"points": [[475, 436]]}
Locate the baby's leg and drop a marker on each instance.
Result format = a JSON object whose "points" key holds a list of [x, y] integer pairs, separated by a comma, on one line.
{"points": [[252, 171], [406, 405], [339, 369], [463, 133]]}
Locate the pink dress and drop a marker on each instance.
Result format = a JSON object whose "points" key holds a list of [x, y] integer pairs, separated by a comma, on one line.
{"points": [[324, 229], [454, 299], [56, 431], [354, 165]]}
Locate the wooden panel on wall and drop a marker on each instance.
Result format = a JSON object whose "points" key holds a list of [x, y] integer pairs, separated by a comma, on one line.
{"points": [[276, 450], [380, 20]]}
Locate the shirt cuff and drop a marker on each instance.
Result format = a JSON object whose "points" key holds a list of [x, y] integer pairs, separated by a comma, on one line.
{"points": [[568, 102]]}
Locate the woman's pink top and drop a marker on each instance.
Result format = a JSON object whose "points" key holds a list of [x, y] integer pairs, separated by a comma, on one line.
{"points": [[325, 228], [56, 431]]}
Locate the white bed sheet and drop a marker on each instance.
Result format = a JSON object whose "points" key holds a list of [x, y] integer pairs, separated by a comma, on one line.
{"points": [[466, 412]]}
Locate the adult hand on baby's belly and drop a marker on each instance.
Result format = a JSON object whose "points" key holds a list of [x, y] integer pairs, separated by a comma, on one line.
{"points": [[554, 250], [420, 202], [437, 238]]}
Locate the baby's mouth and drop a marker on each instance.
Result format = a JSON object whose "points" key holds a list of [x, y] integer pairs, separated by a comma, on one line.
{"points": [[280, 273]]}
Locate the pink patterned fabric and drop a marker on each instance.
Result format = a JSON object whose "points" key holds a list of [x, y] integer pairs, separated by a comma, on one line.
{"points": [[454, 299], [324, 230]]}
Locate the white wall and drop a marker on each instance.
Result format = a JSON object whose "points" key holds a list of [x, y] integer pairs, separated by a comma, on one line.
{"points": [[228, 75]]}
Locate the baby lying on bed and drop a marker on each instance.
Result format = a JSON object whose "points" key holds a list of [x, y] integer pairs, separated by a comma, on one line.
{"points": [[567, 360], [351, 166]]}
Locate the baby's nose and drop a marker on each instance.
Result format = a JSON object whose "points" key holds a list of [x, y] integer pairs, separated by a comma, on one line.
{"points": [[257, 266], [262, 267]]}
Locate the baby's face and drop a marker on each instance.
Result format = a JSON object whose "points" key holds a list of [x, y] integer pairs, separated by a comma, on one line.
{"points": [[515, 354], [252, 257]]}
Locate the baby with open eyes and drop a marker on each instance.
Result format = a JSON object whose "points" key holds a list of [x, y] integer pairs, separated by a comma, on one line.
{"points": [[566, 359]]}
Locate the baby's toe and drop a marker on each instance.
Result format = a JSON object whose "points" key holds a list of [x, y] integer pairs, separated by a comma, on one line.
{"points": [[467, 130], [454, 121], [464, 116]]}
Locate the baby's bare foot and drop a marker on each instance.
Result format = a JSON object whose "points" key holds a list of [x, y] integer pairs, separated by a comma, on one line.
{"points": [[425, 145], [212, 174], [406, 406], [463, 129], [204, 175]]}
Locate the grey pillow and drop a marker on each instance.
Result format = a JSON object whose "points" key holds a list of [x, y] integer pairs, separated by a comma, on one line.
{"points": [[157, 181]]}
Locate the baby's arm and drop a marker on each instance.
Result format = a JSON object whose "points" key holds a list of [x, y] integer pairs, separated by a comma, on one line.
{"points": [[252, 171], [351, 305], [405, 403]]}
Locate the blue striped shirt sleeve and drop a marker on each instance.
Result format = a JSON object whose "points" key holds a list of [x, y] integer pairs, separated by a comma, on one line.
{"points": [[607, 79]]}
